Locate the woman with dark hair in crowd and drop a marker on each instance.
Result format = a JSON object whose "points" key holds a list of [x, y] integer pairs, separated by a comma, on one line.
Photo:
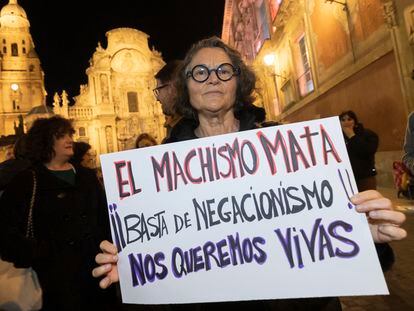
{"points": [[11, 167], [63, 229], [214, 94], [82, 155], [145, 140], [362, 144]]}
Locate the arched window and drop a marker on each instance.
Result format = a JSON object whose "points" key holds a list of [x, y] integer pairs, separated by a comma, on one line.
{"points": [[82, 131], [24, 50], [23, 42], [132, 101], [4, 41], [14, 50], [31, 68], [4, 50]]}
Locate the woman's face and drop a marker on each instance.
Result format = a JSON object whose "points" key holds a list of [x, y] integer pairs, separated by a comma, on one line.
{"points": [[347, 121], [63, 146], [88, 160], [212, 96]]}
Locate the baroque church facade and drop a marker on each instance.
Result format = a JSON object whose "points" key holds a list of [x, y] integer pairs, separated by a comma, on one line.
{"points": [[112, 109], [117, 103]]}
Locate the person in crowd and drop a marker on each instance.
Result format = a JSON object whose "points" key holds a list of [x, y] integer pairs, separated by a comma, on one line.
{"points": [[214, 95], [12, 167], [166, 94], [145, 140], [362, 144], [408, 156], [60, 237], [9, 154], [82, 155]]}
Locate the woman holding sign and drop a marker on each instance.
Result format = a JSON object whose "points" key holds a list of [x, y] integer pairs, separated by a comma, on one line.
{"points": [[214, 90]]}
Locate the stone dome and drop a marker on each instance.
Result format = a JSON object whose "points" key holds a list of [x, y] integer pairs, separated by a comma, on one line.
{"points": [[13, 15]]}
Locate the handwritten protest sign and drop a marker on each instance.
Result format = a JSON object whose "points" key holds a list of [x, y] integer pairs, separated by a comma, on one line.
{"points": [[259, 214]]}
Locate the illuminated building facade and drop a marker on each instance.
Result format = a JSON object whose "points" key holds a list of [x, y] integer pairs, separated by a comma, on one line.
{"points": [[112, 109], [117, 103], [21, 75], [324, 57]]}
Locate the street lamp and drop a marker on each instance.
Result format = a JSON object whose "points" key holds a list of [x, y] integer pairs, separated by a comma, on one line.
{"points": [[270, 61], [14, 86]]}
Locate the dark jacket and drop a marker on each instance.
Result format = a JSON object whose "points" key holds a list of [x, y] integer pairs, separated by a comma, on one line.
{"points": [[69, 221], [249, 119], [361, 150], [10, 169]]}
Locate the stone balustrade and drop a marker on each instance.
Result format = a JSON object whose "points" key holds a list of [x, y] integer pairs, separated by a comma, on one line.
{"points": [[81, 112]]}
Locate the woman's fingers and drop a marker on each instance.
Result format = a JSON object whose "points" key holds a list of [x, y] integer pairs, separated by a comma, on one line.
{"points": [[101, 270], [365, 196], [105, 283], [391, 233], [371, 200], [375, 204], [108, 247], [384, 221], [107, 261], [102, 258], [387, 216]]}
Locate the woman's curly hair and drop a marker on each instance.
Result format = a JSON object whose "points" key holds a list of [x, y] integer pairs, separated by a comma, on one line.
{"points": [[41, 137], [246, 79]]}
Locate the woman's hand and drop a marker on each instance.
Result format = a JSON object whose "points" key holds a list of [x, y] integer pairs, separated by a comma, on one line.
{"points": [[384, 222], [107, 261], [348, 131]]}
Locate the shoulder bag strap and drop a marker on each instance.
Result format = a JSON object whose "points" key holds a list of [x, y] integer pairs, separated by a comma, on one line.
{"points": [[29, 228]]}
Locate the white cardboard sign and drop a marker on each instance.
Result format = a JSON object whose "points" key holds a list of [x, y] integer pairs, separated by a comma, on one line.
{"points": [[261, 214]]}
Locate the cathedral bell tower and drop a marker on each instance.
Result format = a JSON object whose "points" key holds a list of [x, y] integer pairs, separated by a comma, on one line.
{"points": [[21, 76]]}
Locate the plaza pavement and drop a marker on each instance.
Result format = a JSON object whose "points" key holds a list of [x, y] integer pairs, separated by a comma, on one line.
{"points": [[400, 279]]}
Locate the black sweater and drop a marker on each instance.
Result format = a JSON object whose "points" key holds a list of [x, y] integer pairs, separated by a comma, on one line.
{"points": [[361, 150]]}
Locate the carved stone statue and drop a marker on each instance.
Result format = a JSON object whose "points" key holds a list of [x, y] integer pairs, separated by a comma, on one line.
{"points": [[56, 100], [99, 47], [65, 100]]}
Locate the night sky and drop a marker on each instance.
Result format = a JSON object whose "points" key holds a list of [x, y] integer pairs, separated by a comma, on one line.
{"points": [[66, 33]]}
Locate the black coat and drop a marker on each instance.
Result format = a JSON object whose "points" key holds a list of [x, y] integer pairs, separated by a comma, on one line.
{"points": [[10, 169], [69, 222], [249, 119], [361, 150]]}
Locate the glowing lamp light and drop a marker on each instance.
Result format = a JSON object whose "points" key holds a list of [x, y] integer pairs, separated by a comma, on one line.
{"points": [[269, 59], [14, 86]]}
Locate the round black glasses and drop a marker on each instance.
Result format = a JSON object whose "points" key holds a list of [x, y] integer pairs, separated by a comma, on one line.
{"points": [[224, 72]]}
